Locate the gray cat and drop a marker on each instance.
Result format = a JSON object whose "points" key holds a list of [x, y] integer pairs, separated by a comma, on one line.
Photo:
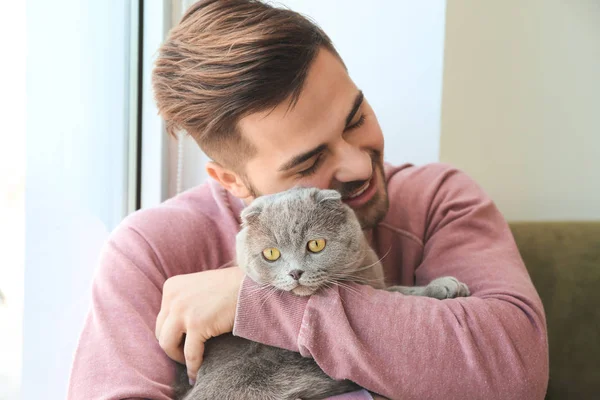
{"points": [[299, 241]]}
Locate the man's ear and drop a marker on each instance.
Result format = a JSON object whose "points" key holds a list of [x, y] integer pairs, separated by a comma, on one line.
{"points": [[230, 180]]}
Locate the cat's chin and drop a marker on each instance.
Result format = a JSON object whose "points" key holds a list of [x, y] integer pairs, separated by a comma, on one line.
{"points": [[302, 291]]}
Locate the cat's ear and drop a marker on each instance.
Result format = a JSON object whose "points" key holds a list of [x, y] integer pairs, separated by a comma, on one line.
{"points": [[322, 196], [251, 213]]}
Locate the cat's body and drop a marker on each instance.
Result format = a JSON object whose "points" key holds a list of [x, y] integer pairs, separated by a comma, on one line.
{"points": [[300, 241], [236, 368]]}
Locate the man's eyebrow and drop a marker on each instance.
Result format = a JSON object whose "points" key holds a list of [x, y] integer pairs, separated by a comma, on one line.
{"points": [[357, 102], [299, 159]]}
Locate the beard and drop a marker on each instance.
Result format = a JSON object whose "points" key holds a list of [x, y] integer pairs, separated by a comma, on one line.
{"points": [[368, 214]]}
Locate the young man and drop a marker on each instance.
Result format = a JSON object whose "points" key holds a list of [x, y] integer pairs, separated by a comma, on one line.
{"points": [[267, 97]]}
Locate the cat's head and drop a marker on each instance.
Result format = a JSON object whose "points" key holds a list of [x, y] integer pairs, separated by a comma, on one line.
{"points": [[299, 240]]}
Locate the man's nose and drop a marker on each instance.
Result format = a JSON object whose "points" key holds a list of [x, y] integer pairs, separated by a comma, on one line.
{"points": [[355, 164]]}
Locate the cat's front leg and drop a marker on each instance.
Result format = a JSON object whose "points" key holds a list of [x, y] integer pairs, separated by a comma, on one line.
{"points": [[447, 287]]}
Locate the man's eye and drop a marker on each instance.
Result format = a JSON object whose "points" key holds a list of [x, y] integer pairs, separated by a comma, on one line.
{"points": [[357, 124], [310, 170]]}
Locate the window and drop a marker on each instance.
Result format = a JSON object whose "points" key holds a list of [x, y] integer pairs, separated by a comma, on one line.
{"points": [[77, 183]]}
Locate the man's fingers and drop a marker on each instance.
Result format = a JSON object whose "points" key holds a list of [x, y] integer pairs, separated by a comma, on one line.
{"points": [[164, 306], [193, 350], [169, 338], [160, 320]]}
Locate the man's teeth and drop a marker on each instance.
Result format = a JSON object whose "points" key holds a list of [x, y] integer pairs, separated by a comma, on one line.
{"points": [[359, 191]]}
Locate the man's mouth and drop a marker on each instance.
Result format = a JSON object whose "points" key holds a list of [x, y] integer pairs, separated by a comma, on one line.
{"points": [[363, 194], [358, 191]]}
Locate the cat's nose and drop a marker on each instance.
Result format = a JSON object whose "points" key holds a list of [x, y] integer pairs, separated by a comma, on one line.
{"points": [[296, 274]]}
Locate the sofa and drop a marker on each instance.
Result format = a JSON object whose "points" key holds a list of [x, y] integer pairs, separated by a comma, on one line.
{"points": [[563, 260]]}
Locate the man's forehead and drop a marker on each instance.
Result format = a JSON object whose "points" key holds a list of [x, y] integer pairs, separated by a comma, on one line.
{"points": [[323, 103]]}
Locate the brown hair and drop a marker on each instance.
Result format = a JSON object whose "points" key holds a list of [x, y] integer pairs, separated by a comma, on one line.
{"points": [[227, 59]]}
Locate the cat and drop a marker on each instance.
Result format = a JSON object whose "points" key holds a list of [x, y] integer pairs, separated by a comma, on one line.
{"points": [[299, 241]]}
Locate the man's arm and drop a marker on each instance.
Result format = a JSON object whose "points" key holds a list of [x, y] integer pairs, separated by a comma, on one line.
{"points": [[491, 345], [118, 356]]}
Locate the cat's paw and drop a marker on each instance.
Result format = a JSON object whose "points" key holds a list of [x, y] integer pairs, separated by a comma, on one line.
{"points": [[447, 287]]}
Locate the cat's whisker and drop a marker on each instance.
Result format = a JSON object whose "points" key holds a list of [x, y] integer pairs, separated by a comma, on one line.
{"points": [[262, 295], [343, 285], [363, 268], [373, 264], [352, 266], [350, 289], [264, 289], [268, 296], [359, 280], [265, 295], [327, 284], [350, 277], [260, 288], [386, 254]]}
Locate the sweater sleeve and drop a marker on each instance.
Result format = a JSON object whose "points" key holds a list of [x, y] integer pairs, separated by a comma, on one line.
{"points": [[491, 345], [118, 356]]}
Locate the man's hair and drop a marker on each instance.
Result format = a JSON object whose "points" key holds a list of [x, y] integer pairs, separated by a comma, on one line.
{"points": [[227, 59]]}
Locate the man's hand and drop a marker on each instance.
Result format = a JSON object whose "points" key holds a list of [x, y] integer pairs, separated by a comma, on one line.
{"points": [[200, 306]]}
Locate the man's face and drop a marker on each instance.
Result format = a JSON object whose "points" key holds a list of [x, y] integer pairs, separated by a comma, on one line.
{"points": [[331, 140]]}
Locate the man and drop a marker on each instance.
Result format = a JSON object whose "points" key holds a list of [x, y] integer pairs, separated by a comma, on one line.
{"points": [[267, 97]]}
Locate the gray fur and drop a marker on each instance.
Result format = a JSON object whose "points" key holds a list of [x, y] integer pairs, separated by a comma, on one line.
{"points": [[236, 368]]}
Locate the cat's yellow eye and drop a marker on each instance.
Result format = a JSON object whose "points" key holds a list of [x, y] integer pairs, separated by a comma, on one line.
{"points": [[316, 245], [271, 254]]}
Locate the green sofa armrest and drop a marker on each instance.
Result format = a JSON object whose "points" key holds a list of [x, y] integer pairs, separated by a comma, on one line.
{"points": [[563, 260]]}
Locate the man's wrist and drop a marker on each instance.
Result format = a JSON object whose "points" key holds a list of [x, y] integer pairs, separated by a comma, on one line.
{"points": [[274, 320]]}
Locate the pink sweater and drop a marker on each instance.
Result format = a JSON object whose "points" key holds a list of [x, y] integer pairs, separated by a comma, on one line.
{"points": [[492, 345]]}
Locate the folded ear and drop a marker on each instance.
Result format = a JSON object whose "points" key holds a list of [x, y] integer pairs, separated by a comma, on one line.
{"points": [[327, 195], [251, 213]]}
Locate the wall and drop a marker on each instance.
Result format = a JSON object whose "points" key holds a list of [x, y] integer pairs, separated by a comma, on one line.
{"points": [[521, 104]]}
